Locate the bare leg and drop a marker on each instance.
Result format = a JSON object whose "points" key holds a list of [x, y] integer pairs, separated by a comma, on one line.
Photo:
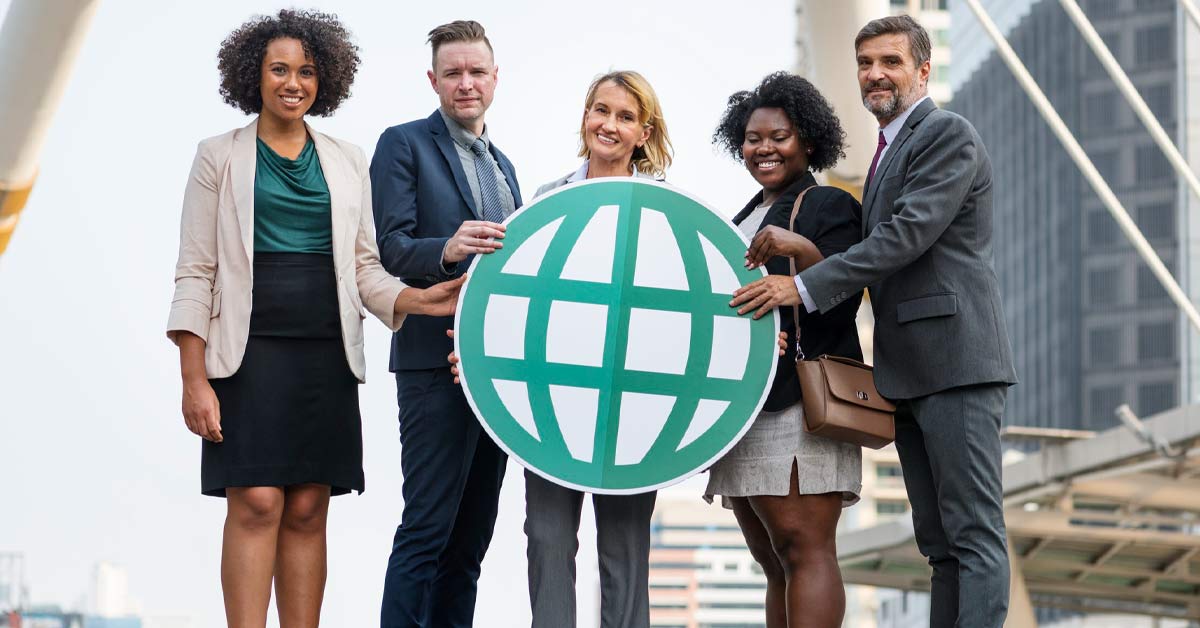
{"points": [[300, 565], [248, 553], [763, 552], [802, 530]]}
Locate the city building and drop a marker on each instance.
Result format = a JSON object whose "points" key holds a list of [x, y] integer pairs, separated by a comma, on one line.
{"points": [[701, 574], [1091, 327]]}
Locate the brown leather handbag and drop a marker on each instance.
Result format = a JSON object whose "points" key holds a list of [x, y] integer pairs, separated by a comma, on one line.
{"points": [[839, 395]]}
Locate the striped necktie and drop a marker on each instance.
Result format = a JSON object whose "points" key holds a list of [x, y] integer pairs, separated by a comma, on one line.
{"points": [[489, 188]]}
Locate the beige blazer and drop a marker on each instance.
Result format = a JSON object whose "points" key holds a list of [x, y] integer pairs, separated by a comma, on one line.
{"points": [[214, 275]]}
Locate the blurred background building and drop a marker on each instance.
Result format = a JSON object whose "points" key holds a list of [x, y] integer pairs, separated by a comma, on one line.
{"points": [[1091, 326]]}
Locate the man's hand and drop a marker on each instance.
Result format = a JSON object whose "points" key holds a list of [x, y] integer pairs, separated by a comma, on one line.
{"points": [[472, 238], [772, 241], [766, 294], [453, 359]]}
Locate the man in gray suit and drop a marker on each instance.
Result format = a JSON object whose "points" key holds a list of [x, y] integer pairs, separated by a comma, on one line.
{"points": [[941, 348]]}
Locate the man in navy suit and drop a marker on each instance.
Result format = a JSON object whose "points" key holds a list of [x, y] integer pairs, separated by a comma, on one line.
{"points": [[440, 190]]}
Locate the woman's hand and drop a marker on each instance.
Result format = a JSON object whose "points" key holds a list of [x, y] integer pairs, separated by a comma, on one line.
{"points": [[201, 410], [440, 299], [765, 294], [782, 342], [772, 241]]}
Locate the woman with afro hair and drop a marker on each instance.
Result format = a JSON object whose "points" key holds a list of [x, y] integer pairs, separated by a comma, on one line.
{"points": [[277, 267], [787, 487]]}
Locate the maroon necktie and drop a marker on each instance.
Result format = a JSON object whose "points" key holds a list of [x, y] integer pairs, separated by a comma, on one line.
{"points": [[875, 160]]}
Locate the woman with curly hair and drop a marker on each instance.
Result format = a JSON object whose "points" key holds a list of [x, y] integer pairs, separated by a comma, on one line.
{"points": [[277, 262], [787, 487]]}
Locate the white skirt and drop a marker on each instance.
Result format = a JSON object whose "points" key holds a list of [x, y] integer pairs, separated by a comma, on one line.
{"points": [[761, 463]]}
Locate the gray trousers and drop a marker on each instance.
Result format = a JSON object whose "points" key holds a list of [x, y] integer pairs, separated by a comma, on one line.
{"points": [[552, 515], [949, 446]]}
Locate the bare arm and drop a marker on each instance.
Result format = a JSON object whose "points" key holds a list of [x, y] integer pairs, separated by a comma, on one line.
{"points": [[201, 410]]}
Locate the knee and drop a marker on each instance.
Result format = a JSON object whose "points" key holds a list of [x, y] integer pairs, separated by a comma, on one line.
{"points": [[799, 548], [255, 508], [766, 558], [547, 537], [305, 512]]}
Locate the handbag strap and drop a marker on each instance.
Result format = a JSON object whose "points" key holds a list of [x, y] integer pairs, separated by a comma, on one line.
{"points": [[792, 266]]}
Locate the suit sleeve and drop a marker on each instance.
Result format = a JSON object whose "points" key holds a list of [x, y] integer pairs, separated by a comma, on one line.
{"points": [[393, 182], [840, 224], [196, 269], [940, 174], [377, 288]]}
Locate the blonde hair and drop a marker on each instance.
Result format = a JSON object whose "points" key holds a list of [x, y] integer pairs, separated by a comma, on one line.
{"points": [[653, 157]]}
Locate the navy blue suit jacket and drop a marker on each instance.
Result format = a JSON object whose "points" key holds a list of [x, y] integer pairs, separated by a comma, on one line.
{"points": [[420, 198]]}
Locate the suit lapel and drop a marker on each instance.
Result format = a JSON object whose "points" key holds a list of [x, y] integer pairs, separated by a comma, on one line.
{"points": [[445, 143], [341, 199], [242, 167], [885, 164], [509, 173]]}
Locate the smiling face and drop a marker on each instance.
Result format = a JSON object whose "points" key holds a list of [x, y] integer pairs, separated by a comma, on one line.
{"points": [[464, 76], [289, 80], [612, 125], [773, 151], [889, 77]]}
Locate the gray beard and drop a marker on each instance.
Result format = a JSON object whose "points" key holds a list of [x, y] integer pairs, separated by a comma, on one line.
{"points": [[890, 108]]}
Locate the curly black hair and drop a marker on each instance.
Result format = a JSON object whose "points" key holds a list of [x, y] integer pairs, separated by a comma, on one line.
{"points": [[324, 39], [816, 123]]}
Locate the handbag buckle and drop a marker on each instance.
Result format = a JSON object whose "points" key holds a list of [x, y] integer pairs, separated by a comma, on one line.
{"points": [[862, 395]]}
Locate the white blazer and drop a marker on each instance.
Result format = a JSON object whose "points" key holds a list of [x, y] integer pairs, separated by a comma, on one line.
{"points": [[214, 275]]}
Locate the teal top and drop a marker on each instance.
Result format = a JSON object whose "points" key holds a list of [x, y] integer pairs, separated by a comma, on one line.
{"points": [[292, 213]]}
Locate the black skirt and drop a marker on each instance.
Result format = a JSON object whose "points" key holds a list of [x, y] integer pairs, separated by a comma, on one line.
{"points": [[290, 414]]}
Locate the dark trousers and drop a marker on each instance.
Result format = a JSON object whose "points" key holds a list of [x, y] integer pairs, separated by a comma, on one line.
{"points": [[552, 514], [949, 446], [452, 474]]}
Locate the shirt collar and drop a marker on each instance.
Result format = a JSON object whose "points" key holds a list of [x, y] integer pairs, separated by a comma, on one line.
{"points": [[461, 135], [893, 128], [581, 173]]}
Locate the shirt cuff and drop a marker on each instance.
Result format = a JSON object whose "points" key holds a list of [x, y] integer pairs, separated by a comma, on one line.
{"points": [[447, 269], [809, 304]]}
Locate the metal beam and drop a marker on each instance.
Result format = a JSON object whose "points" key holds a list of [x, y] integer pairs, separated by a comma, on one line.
{"points": [[39, 43]]}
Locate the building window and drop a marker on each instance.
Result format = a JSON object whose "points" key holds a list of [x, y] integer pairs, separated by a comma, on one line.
{"points": [[1102, 228], [1155, 397], [1152, 164], [1103, 286], [1103, 8], [888, 471], [1156, 341], [1112, 41], [1100, 111], [1152, 45], [1157, 221], [1161, 100], [1106, 162], [888, 507], [1149, 290], [1149, 5], [1104, 346], [1103, 401]]}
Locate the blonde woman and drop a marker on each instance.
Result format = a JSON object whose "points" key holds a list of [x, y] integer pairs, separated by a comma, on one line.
{"points": [[622, 134]]}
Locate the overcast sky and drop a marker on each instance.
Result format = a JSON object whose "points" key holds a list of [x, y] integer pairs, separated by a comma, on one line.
{"points": [[95, 460]]}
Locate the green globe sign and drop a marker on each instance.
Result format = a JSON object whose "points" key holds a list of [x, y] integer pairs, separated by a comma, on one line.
{"points": [[598, 347]]}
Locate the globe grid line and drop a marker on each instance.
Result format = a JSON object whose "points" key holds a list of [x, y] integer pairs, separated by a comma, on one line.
{"points": [[611, 380]]}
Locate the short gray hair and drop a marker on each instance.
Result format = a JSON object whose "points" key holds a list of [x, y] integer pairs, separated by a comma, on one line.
{"points": [[918, 37]]}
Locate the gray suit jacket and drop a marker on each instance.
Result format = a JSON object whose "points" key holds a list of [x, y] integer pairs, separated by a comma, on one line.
{"points": [[927, 260]]}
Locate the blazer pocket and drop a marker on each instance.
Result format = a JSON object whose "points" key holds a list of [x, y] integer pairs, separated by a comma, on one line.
{"points": [[216, 304], [930, 306]]}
